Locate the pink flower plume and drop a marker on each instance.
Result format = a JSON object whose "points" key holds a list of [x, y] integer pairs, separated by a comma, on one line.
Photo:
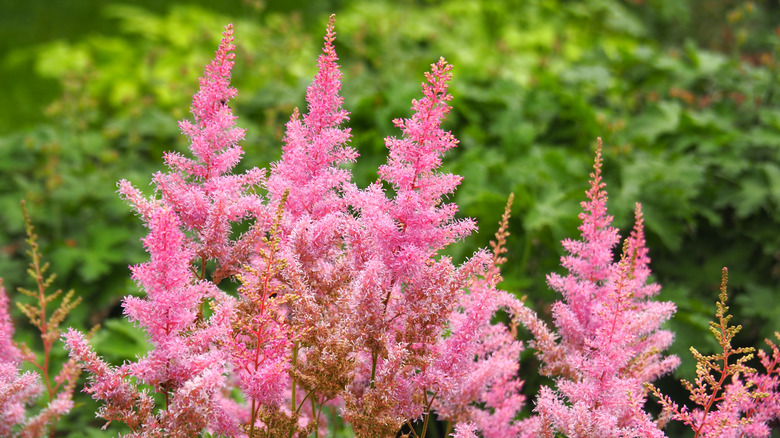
{"points": [[611, 342], [315, 146]]}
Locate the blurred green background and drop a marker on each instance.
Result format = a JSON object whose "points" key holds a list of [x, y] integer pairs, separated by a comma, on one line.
{"points": [[684, 93]]}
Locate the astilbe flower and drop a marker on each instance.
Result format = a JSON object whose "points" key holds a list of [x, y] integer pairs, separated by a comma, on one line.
{"points": [[184, 352], [293, 322], [206, 197], [490, 381], [734, 399], [314, 147], [184, 365], [344, 300], [610, 338], [406, 289], [188, 226], [15, 390]]}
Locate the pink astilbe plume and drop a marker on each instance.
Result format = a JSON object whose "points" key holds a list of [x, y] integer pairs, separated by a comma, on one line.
{"points": [[315, 146], [170, 311], [610, 333], [406, 291], [733, 399], [421, 223], [188, 227], [484, 393], [15, 390], [184, 365], [203, 192], [291, 345], [310, 181]]}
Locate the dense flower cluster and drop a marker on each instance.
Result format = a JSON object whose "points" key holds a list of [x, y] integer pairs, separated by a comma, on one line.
{"points": [[610, 341], [346, 304], [344, 301], [15, 389]]}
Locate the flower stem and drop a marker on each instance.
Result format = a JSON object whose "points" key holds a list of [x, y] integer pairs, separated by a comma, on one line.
{"points": [[252, 420], [374, 358], [292, 376], [316, 418], [427, 413]]}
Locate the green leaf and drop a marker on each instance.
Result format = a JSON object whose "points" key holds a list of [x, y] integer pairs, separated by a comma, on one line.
{"points": [[658, 119], [120, 340]]}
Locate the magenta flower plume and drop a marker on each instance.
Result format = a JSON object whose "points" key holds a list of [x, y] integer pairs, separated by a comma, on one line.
{"points": [[610, 333], [188, 227], [422, 223], [589, 262], [9, 353], [184, 364], [286, 286], [16, 390], [201, 190], [404, 294], [413, 226], [315, 146], [410, 298], [483, 393], [214, 137], [169, 311]]}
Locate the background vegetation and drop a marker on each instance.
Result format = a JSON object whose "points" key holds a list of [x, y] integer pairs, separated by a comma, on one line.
{"points": [[685, 94]]}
